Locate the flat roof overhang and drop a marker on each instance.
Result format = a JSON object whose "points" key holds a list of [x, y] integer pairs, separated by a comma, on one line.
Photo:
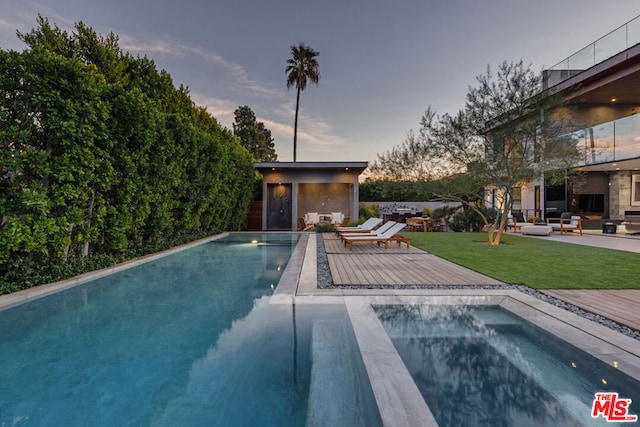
{"points": [[618, 165], [617, 77], [358, 167]]}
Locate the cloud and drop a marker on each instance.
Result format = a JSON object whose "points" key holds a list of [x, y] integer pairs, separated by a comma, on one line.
{"points": [[150, 48], [171, 48], [315, 138], [276, 107], [6, 25]]}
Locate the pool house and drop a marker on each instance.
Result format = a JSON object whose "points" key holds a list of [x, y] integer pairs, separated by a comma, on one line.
{"points": [[297, 193]]}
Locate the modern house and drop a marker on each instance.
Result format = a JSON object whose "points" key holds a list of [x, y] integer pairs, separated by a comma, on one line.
{"points": [[601, 84], [291, 190]]}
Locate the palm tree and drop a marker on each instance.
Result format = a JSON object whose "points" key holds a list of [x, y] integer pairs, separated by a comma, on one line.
{"points": [[301, 66]]}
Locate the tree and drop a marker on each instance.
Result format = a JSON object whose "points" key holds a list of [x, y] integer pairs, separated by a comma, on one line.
{"points": [[302, 66], [509, 133], [253, 135], [100, 154], [405, 162]]}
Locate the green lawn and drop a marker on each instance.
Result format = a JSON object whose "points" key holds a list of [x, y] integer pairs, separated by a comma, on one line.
{"points": [[534, 262]]}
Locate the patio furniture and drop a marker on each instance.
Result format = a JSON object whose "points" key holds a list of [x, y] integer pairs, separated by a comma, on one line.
{"points": [[516, 221], [564, 225], [631, 222], [384, 227], [611, 228], [336, 218], [402, 239], [536, 230], [417, 223], [368, 225], [382, 238], [302, 225], [440, 226], [311, 218]]}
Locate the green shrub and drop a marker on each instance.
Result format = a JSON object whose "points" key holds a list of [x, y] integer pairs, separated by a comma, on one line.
{"points": [[121, 163], [444, 213], [22, 273], [324, 227], [467, 220], [368, 211]]}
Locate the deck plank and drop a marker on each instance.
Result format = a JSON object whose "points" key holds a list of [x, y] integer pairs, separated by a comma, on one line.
{"points": [[369, 264], [396, 269], [619, 305]]}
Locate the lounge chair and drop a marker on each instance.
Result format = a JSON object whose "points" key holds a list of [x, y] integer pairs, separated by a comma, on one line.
{"points": [[564, 225], [516, 221], [366, 226], [382, 238], [311, 219], [337, 218], [384, 227], [303, 226]]}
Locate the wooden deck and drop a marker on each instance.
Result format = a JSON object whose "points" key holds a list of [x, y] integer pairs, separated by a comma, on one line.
{"points": [[371, 265], [619, 305]]}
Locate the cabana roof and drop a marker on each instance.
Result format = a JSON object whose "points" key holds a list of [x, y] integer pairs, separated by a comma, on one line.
{"points": [[301, 166]]}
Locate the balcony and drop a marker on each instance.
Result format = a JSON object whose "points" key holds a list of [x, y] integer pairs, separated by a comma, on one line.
{"points": [[616, 41], [609, 142]]}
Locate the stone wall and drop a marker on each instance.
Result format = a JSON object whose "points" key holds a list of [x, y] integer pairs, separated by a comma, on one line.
{"points": [[620, 195]]}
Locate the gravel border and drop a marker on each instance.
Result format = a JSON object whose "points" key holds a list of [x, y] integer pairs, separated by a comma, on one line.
{"points": [[325, 281]]}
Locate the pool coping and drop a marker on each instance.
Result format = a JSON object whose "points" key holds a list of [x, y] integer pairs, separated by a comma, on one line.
{"points": [[398, 398]]}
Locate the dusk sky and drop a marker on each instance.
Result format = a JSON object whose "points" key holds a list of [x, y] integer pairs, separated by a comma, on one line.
{"points": [[381, 63]]}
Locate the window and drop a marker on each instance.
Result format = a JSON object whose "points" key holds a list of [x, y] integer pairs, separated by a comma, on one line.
{"points": [[591, 203], [635, 190], [517, 199]]}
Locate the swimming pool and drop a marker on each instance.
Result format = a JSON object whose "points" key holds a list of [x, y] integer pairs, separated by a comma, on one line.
{"points": [[482, 365], [186, 339]]}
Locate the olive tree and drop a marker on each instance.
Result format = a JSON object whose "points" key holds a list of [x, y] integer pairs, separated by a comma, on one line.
{"points": [[509, 133]]}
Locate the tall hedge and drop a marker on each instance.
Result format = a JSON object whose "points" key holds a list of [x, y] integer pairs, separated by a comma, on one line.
{"points": [[101, 155]]}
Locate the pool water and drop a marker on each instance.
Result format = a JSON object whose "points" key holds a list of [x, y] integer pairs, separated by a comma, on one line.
{"points": [[484, 366], [188, 339]]}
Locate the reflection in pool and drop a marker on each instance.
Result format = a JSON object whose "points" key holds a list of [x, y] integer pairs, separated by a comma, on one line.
{"points": [[190, 339], [478, 366]]}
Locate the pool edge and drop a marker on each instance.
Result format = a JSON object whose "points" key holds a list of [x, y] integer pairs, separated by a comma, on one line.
{"points": [[20, 297]]}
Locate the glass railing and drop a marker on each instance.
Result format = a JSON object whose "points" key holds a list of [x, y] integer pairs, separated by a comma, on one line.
{"points": [[613, 43], [609, 142]]}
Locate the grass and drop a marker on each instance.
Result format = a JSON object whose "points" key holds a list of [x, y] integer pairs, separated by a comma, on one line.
{"points": [[536, 263]]}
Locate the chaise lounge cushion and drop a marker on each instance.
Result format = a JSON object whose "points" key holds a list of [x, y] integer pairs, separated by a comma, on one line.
{"points": [[537, 230], [567, 224]]}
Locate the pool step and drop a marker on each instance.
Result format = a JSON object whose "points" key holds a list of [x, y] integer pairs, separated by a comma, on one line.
{"points": [[335, 389]]}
